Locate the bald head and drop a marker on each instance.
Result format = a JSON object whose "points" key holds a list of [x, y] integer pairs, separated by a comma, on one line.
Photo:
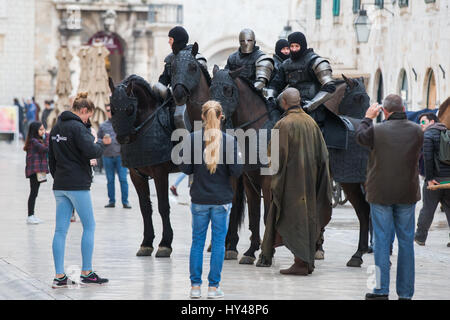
{"points": [[291, 97], [393, 103]]}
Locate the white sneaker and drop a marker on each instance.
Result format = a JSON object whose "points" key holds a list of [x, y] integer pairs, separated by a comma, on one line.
{"points": [[32, 220], [214, 294], [195, 293]]}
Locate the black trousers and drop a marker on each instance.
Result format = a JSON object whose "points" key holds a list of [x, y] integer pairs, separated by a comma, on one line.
{"points": [[34, 189], [431, 199]]}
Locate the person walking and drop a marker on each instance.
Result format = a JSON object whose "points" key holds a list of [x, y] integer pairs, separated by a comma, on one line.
{"points": [[112, 163], [22, 118], [392, 190], [435, 171], [45, 113], [71, 147], [36, 169], [211, 194], [174, 187]]}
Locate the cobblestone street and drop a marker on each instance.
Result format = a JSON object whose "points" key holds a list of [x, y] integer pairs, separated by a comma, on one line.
{"points": [[26, 262]]}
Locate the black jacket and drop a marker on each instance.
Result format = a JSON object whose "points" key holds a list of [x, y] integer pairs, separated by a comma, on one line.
{"points": [[71, 148], [212, 189], [431, 144]]}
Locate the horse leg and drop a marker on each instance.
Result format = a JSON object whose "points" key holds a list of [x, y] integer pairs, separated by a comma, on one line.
{"points": [[145, 204], [253, 193], [162, 191], [356, 197], [236, 217]]}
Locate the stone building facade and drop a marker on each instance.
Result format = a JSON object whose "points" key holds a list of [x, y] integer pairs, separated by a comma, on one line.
{"points": [[407, 51], [16, 50]]}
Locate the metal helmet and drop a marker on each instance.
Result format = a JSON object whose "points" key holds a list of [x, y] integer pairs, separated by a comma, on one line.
{"points": [[247, 40]]}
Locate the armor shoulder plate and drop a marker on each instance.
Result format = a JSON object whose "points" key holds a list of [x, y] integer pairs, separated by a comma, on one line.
{"points": [[322, 70], [264, 67]]}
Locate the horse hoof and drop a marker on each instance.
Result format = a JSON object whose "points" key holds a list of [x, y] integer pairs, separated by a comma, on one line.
{"points": [[247, 260], [263, 262], [163, 252], [355, 262], [209, 249], [231, 255], [320, 255], [144, 251]]}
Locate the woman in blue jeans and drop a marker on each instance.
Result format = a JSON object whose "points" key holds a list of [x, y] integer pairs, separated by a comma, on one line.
{"points": [[71, 147], [211, 194]]}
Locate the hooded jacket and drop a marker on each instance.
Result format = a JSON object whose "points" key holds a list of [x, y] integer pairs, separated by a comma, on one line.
{"points": [[70, 150], [432, 138]]}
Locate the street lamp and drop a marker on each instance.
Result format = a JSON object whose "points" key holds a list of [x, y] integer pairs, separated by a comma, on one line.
{"points": [[287, 30], [362, 27]]}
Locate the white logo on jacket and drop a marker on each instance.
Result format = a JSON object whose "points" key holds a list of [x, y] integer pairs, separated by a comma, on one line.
{"points": [[59, 138]]}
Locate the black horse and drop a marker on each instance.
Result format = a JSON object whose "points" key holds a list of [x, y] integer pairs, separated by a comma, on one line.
{"points": [[248, 109], [141, 122]]}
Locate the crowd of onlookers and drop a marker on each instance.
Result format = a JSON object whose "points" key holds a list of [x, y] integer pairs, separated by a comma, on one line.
{"points": [[400, 151]]}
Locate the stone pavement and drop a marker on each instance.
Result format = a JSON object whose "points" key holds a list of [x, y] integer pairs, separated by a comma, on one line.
{"points": [[26, 261]]}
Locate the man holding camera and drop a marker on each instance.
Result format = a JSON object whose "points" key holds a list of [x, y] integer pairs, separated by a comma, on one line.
{"points": [[392, 190], [112, 163]]}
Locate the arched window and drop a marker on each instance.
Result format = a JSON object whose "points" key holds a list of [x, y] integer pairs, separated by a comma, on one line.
{"points": [[379, 91], [403, 88], [430, 87]]}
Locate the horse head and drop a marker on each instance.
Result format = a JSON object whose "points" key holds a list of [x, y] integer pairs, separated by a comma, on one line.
{"points": [[131, 102], [186, 74], [225, 90], [356, 101]]}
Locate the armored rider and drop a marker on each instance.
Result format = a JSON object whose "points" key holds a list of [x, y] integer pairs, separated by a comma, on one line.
{"points": [[281, 52], [312, 76], [178, 41], [258, 66]]}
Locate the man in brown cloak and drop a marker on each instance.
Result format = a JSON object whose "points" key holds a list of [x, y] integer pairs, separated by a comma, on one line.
{"points": [[301, 189]]}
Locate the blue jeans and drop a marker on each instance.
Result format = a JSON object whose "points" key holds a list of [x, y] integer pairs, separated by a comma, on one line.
{"points": [[180, 178], [386, 219], [66, 201], [113, 165], [220, 217]]}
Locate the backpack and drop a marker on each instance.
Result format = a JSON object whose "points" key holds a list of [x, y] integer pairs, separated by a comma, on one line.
{"points": [[444, 147]]}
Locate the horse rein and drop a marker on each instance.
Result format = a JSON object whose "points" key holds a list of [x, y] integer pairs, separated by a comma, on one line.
{"points": [[150, 117]]}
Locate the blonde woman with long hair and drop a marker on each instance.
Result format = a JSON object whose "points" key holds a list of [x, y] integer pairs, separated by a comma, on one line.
{"points": [[211, 194]]}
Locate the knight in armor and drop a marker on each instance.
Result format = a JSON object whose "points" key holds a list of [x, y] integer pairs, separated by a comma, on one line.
{"points": [[178, 41], [281, 52], [311, 75], [307, 72], [258, 66]]}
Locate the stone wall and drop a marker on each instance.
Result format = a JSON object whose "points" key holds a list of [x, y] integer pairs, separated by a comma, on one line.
{"points": [[16, 50]]}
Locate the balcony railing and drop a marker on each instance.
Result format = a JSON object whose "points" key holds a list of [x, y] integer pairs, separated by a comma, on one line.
{"points": [[165, 13]]}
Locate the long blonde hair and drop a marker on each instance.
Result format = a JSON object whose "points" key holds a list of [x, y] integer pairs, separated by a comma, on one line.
{"points": [[211, 115]]}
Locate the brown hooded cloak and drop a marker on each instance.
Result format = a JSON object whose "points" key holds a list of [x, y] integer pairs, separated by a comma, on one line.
{"points": [[301, 189]]}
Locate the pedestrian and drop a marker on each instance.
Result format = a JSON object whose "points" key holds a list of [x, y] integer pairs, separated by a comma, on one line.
{"points": [[38, 109], [301, 189], [392, 190], [45, 113], [112, 162], [211, 194], [436, 171], [22, 118], [71, 148], [30, 111], [36, 169], [173, 188]]}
